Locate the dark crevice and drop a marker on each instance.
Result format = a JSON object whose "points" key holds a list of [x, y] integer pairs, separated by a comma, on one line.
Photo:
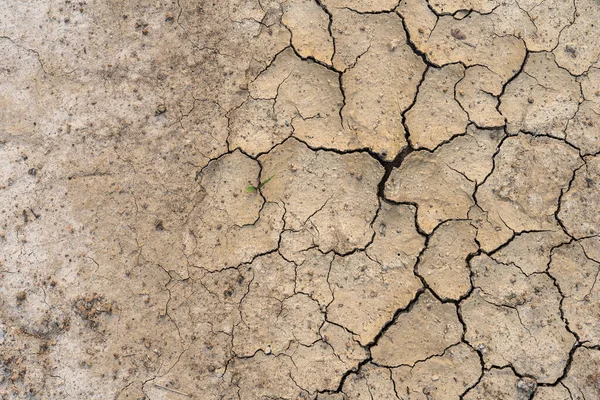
{"points": [[512, 78], [375, 341], [329, 25], [389, 166], [388, 11], [563, 191], [414, 47]]}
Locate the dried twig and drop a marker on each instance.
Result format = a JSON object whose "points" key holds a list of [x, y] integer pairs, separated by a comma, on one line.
{"points": [[172, 390]]}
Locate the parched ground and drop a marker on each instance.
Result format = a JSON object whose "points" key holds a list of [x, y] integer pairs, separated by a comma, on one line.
{"points": [[300, 199]]}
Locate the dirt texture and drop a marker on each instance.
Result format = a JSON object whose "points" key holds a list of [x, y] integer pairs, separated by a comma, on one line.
{"points": [[300, 199]]}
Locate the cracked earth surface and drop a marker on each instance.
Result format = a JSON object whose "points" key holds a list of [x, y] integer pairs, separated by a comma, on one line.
{"points": [[430, 231]]}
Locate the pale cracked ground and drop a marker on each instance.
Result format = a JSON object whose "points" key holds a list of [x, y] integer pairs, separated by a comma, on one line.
{"points": [[431, 230]]}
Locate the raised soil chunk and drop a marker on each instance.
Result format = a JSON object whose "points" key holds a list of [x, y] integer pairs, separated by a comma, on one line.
{"points": [[440, 192], [307, 96], [234, 224], [579, 205], [372, 382], [516, 320], [472, 154], [366, 294], [478, 94], [576, 269], [397, 243], [542, 99], [471, 40], [444, 377], [309, 25], [436, 115], [367, 288], [527, 181], [426, 329], [380, 86], [583, 377], [501, 383], [530, 251], [579, 45], [443, 264], [337, 194]]}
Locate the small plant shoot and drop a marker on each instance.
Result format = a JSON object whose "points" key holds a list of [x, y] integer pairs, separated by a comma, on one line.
{"points": [[254, 189]]}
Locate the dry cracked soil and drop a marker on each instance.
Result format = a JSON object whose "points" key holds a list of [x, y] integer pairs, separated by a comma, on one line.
{"points": [[300, 199]]}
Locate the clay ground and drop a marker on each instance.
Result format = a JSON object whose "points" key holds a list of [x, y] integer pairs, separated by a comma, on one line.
{"points": [[303, 199]]}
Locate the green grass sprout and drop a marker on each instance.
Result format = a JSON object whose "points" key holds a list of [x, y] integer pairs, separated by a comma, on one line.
{"points": [[254, 189]]}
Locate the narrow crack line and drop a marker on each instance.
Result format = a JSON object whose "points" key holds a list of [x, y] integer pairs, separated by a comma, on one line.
{"points": [[195, 45], [578, 342], [509, 81], [502, 305], [411, 105], [573, 18], [494, 156], [379, 12], [569, 391], [454, 92], [461, 173], [525, 73], [413, 46], [365, 150], [329, 25], [228, 115], [416, 272], [393, 384], [567, 368], [344, 99], [553, 137], [345, 376], [353, 334], [270, 63], [404, 310], [309, 58], [518, 374], [481, 375], [512, 238], [424, 360], [35, 52], [597, 272], [351, 66], [468, 259], [563, 191]]}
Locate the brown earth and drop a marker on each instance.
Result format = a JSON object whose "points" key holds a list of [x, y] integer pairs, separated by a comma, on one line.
{"points": [[300, 199]]}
